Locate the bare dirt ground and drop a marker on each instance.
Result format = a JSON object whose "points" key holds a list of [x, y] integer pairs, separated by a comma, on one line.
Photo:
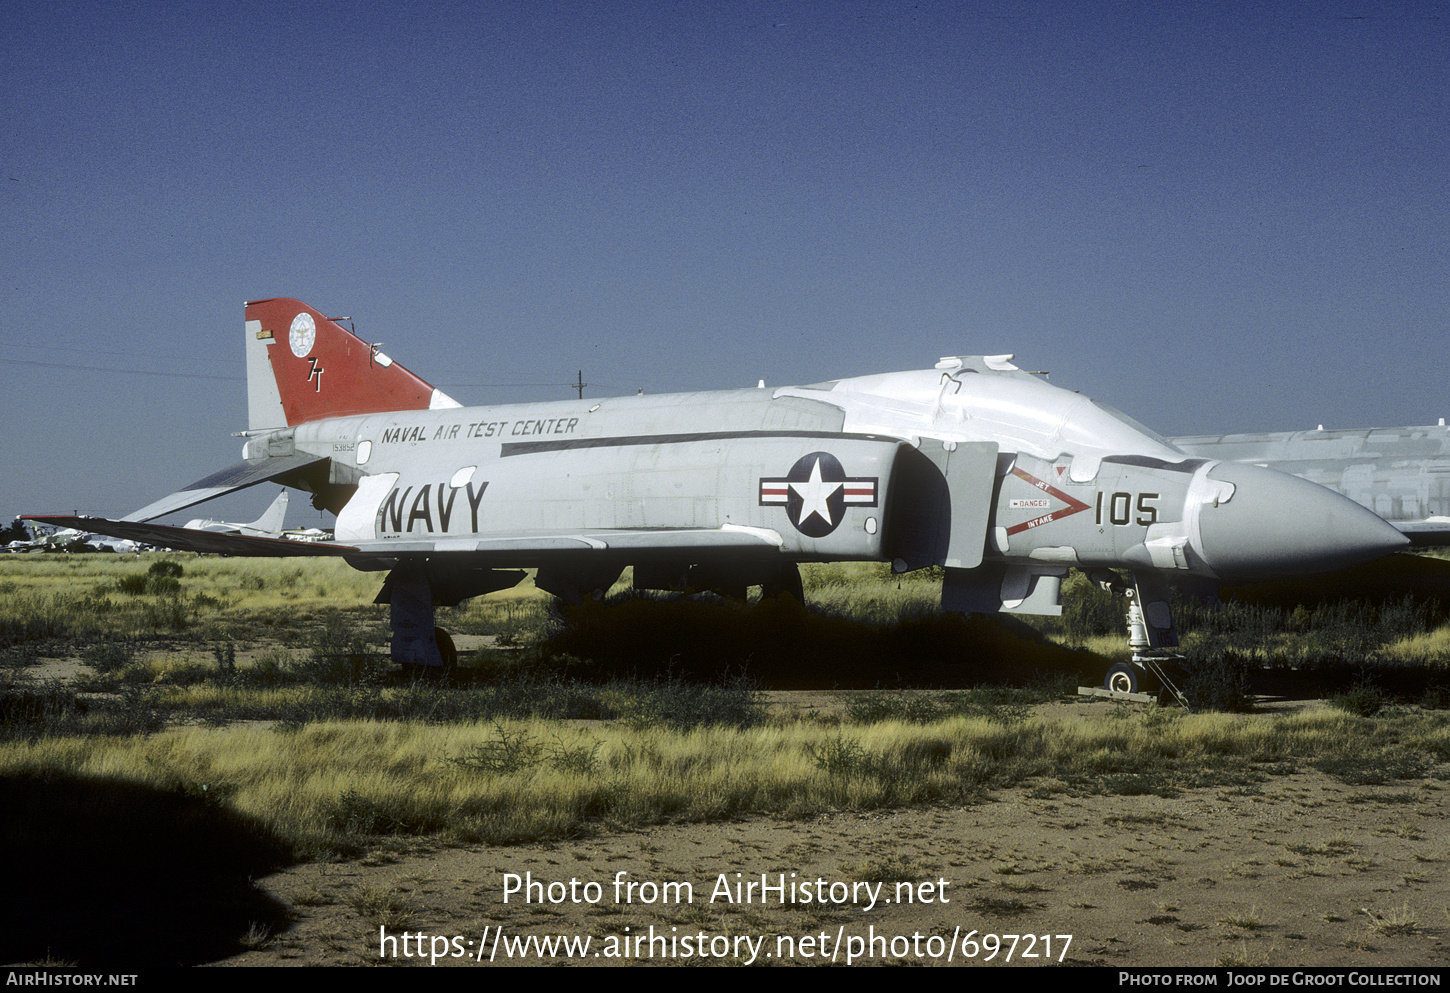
{"points": [[1300, 870]]}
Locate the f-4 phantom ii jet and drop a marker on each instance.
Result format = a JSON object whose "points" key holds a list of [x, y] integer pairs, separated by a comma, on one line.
{"points": [[974, 465]]}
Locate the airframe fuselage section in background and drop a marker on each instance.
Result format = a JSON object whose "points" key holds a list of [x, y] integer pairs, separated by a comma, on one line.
{"points": [[1402, 474]]}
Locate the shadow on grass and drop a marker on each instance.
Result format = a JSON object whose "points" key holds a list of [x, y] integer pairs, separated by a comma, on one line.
{"points": [[105, 874], [780, 645], [1388, 580]]}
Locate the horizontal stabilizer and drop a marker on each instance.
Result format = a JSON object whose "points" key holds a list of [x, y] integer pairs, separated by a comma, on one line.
{"points": [[187, 540], [228, 480]]}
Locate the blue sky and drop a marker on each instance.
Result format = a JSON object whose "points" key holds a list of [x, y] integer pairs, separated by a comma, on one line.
{"points": [[1214, 216]]}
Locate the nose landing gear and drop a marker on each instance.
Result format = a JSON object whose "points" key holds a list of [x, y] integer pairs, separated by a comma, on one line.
{"points": [[1151, 636]]}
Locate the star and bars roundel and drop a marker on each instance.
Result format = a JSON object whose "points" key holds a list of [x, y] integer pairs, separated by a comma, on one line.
{"points": [[816, 492]]}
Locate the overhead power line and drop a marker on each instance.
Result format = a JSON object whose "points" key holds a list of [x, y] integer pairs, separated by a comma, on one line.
{"points": [[120, 372], [236, 379]]}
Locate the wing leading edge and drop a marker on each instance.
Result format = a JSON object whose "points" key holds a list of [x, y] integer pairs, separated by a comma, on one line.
{"points": [[505, 549]]}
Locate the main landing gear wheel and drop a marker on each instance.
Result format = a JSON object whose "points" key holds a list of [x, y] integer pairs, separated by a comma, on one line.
{"points": [[446, 649]]}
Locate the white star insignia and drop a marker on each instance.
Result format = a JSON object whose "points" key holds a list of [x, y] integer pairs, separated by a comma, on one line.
{"points": [[814, 493]]}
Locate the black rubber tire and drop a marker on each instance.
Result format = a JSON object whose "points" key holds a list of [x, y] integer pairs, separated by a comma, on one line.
{"points": [[446, 649], [1124, 677]]}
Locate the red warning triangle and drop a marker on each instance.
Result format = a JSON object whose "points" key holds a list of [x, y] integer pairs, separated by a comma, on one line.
{"points": [[1074, 505]]}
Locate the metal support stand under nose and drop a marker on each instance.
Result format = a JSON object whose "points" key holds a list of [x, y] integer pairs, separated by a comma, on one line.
{"points": [[1150, 638], [1145, 655]]}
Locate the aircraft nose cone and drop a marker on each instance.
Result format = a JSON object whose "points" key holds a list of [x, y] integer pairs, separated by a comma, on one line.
{"points": [[1276, 525]]}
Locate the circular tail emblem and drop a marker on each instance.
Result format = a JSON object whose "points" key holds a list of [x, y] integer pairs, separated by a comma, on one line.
{"points": [[816, 492], [302, 334]]}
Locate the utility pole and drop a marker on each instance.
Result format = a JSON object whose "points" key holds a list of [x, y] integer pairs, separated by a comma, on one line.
{"points": [[580, 384]]}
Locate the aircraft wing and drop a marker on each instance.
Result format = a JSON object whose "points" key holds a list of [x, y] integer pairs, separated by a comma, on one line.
{"points": [[519, 549], [228, 480], [507, 549], [188, 540]]}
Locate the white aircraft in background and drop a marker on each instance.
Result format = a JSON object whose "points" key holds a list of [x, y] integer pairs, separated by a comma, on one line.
{"points": [[269, 525], [47, 539]]}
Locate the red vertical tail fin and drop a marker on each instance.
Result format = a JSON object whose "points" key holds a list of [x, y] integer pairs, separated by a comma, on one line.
{"points": [[301, 367]]}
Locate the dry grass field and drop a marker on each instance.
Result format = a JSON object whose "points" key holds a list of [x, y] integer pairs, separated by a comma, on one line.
{"points": [[212, 764]]}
